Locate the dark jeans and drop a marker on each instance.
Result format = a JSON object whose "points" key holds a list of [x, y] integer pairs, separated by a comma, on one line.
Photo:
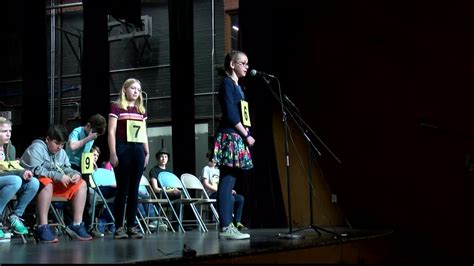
{"points": [[225, 198], [108, 192], [128, 173], [237, 204]]}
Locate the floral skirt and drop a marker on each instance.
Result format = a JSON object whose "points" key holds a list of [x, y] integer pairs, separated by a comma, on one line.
{"points": [[230, 150]]}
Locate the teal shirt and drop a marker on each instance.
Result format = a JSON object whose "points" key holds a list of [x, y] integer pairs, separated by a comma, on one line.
{"points": [[75, 156]]}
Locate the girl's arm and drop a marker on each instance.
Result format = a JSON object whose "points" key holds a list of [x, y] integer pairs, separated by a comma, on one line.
{"points": [[112, 128]]}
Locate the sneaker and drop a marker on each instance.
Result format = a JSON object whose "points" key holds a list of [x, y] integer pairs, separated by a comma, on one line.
{"points": [[78, 232], [120, 233], [134, 232], [110, 230], [241, 227], [231, 233], [162, 227], [17, 225], [3, 237], [45, 235], [100, 226], [153, 225], [96, 233], [2, 234]]}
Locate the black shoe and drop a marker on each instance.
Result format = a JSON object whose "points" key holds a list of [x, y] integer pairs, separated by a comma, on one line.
{"points": [[120, 233], [134, 232]]}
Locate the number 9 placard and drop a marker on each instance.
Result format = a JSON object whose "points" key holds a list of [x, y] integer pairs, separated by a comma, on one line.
{"points": [[87, 163]]}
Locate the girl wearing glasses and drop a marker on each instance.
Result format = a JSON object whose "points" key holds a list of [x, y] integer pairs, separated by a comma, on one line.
{"points": [[232, 141]]}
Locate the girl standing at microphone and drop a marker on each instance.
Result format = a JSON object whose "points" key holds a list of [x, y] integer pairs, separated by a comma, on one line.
{"points": [[231, 146]]}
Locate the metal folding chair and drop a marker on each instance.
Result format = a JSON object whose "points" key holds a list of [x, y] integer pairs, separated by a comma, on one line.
{"points": [[192, 184], [100, 177], [167, 179], [153, 201]]}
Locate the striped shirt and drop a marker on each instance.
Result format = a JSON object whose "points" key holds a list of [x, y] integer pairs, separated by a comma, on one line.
{"points": [[122, 116]]}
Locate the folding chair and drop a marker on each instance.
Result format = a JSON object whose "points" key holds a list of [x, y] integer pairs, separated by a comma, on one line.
{"points": [[59, 215], [100, 177], [192, 183], [152, 201], [167, 179]]}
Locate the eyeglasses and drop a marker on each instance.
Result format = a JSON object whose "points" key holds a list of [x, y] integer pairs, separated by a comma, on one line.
{"points": [[243, 64]]}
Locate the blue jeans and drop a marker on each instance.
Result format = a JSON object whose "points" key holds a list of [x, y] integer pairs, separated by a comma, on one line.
{"points": [[104, 216], [147, 210], [25, 190], [225, 199], [237, 204]]}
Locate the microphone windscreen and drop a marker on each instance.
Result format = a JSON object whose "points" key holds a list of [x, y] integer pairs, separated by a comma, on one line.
{"points": [[253, 72]]}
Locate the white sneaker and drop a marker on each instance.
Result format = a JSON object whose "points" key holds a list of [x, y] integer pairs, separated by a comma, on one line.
{"points": [[153, 225], [7, 238], [162, 227], [231, 233]]}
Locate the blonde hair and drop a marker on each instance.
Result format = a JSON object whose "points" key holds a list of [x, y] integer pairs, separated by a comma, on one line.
{"points": [[122, 100], [3, 120], [6, 146], [232, 56]]}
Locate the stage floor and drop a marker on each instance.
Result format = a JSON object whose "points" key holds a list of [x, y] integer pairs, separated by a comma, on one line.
{"points": [[168, 246]]}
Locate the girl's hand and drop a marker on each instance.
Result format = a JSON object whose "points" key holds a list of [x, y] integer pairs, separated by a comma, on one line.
{"points": [[27, 175], [250, 140], [114, 160], [147, 158]]}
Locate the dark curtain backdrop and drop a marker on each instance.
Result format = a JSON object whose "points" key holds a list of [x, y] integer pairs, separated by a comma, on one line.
{"points": [[388, 86], [261, 187]]}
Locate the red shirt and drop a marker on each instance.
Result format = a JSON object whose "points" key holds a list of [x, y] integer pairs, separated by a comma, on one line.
{"points": [[122, 116]]}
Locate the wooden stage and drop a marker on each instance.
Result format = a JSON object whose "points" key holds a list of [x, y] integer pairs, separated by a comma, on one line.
{"points": [[265, 246]]}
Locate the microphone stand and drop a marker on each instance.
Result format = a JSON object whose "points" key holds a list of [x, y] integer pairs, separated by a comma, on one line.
{"points": [[299, 121], [289, 234], [304, 129]]}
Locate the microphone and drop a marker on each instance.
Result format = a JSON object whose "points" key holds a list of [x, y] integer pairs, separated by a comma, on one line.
{"points": [[255, 73]]}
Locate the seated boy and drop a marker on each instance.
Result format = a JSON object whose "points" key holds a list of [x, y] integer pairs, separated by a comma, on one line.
{"points": [[49, 162], [105, 178], [162, 159]]}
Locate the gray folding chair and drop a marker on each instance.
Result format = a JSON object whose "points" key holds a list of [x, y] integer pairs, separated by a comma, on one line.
{"points": [[153, 201], [167, 179], [193, 185], [100, 177]]}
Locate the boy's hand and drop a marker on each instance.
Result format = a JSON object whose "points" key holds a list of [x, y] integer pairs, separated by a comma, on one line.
{"points": [[75, 178]]}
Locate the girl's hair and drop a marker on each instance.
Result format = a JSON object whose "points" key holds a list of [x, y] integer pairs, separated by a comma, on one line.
{"points": [[95, 148], [58, 133], [3, 120], [6, 146], [232, 56], [122, 100]]}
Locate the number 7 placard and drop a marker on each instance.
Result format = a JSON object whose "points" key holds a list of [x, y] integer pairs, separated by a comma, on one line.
{"points": [[136, 131]]}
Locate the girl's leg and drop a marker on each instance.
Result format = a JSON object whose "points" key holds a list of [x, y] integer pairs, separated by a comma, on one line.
{"points": [[25, 195], [224, 196], [9, 185], [136, 172]]}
